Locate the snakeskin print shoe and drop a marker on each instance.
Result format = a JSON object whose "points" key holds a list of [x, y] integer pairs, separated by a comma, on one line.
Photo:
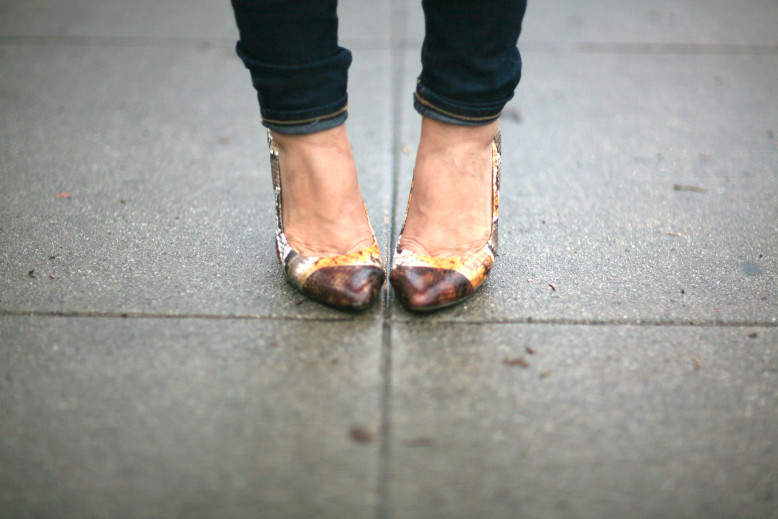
{"points": [[425, 283], [349, 281]]}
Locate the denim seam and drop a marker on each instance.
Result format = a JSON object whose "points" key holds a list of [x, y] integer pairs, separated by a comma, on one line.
{"points": [[309, 120], [303, 129], [426, 103]]}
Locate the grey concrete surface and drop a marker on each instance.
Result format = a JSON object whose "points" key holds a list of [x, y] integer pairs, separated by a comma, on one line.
{"points": [[575, 24], [620, 362], [187, 418], [567, 421]]}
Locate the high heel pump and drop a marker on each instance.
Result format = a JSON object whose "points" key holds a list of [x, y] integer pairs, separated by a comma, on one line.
{"points": [[425, 283], [348, 281]]}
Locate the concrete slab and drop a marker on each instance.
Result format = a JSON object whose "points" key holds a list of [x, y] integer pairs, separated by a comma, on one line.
{"points": [[170, 208], [691, 25], [165, 19], [635, 188], [188, 418], [203, 23], [664, 22], [506, 421]]}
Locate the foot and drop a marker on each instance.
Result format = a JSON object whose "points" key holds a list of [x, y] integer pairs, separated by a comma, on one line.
{"points": [[450, 208], [322, 206]]}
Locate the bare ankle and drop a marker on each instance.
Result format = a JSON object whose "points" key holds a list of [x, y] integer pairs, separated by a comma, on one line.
{"points": [[436, 134], [450, 210], [322, 207]]}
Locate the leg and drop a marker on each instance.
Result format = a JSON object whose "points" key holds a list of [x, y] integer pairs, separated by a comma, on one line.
{"points": [[300, 74], [299, 71], [471, 67], [470, 61], [450, 210]]}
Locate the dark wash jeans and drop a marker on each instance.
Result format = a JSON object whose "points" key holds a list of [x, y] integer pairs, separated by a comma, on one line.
{"points": [[470, 63]]}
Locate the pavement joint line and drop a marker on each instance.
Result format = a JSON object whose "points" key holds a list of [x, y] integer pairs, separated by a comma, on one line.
{"points": [[118, 41], [585, 47], [595, 47], [384, 435], [193, 316], [388, 320], [159, 42], [397, 76], [728, 49], [596, 322]]}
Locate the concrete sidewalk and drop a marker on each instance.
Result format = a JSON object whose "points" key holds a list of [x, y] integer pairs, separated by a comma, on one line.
{"points": [[622, 360]]}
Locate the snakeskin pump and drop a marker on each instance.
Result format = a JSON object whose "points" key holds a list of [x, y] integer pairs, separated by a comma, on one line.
{"points": [[348, 281], [425, 283]]}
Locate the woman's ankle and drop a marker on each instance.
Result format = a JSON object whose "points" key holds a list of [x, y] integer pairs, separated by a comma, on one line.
{"points": [[322, 206], [450, 209]]}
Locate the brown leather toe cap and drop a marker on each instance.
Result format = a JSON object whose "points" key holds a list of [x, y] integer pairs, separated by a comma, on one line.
{"points": [[348, 287], [429, 288]]}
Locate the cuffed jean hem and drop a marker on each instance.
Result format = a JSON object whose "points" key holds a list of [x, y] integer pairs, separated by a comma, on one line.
{"points": [[435, 107], [305, 126], [300, 98]]}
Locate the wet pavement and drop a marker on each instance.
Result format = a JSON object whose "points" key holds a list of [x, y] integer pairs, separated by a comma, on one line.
{"points": [[621, 361]]}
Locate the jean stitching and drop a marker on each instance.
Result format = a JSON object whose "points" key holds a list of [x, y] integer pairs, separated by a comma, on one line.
{"points": [[309, 120], [426, 103]]}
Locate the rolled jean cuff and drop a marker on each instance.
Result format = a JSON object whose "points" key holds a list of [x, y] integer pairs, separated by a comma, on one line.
{"points": [[300, 98], [429, 104], [304, 126]]}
